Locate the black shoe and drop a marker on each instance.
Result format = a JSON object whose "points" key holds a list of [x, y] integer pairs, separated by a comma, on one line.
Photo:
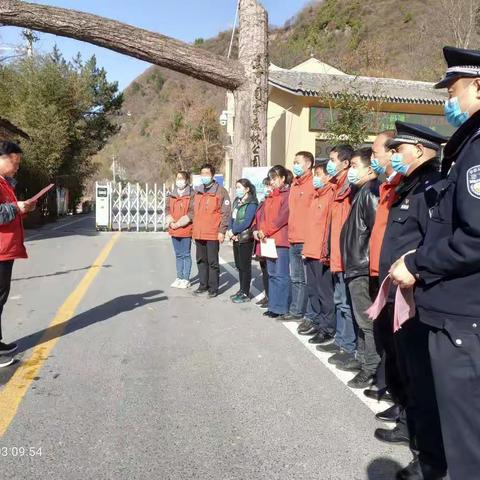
{"points": [[235, 295], [290, 317], [350, 366], [341, 357], [263, 303], [6, 361], [391, 414], [330, 348], [320, 337], [361, 380], [378, 395], [200, 291], [212, 294], [417, 471], [392, 436], [305, 325], [7, 348], [270, 314]]}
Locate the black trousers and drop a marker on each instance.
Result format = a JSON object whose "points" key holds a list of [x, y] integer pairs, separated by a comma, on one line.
{"points": [[455, 357], [423, 418], [393, 376], [5, 281], [320, 294], [263, 267], [208, 264], [242, 253]]}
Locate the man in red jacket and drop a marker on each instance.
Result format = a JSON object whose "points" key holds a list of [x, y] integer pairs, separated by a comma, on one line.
{"points": [[11, 232], [301, 195]]}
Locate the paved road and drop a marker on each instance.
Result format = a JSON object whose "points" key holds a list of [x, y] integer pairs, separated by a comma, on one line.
{"points": [[145, 382]]}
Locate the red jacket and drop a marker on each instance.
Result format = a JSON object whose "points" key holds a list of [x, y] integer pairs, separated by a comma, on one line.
{"points": [[341, 205], [259, 224], [275, 217], [180, 209], [211, 212], [11, 234], [388, 197], [301, 195], [317, 233]]}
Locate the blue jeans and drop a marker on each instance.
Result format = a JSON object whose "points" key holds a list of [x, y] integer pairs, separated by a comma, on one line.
{"points": [[182, 247], [345, 336], [299, 281], [278, 282]]}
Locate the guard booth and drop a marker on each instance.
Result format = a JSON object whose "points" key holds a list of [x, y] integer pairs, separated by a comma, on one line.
{"points": [[103, 206]]}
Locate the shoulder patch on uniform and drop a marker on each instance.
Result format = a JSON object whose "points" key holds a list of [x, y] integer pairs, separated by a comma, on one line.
{"points": [[227, 202], [473, 181]]}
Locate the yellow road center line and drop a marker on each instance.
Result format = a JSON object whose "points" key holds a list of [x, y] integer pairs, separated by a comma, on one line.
{"points": [[14, 391]]}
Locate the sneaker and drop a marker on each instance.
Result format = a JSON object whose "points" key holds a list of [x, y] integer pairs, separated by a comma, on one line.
{"points": [[235, 295], [6, 361], [176, 283], [329, 348], [212, 294], [361, 380], [7, 348], [242, 298], [200, 291], [183, 284]]}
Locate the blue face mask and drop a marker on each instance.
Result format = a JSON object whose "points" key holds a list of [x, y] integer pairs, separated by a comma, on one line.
{"points": [[317, 182], [240, 192], [331, 168], [353, 176], [206, 180], [377, 168], [297, 170], [398, 164], [453, 113]]}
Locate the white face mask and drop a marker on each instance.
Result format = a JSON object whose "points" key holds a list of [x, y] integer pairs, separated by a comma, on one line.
{"points": [[181, 184]]}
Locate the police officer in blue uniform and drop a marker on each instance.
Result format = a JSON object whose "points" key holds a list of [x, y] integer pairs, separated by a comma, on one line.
{"points": [[417, 157], [446, 271]]}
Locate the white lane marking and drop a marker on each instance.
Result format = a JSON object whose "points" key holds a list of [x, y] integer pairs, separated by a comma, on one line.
{"points": [[323, 357]]}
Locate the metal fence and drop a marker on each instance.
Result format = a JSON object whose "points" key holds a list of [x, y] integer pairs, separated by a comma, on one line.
{"points": [[135, 206]]}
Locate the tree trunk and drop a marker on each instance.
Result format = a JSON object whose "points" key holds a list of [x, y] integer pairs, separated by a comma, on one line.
{"points": [[251, 98], [135, 42]]}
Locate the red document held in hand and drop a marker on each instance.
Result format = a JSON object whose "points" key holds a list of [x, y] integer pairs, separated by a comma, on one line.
{"points": [[41, 193]]}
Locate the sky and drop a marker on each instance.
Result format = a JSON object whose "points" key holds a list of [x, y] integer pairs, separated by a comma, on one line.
{"points": [[181, 19]]}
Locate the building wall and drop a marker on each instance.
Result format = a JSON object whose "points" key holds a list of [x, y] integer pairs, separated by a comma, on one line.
{"points": [[288, 123]]}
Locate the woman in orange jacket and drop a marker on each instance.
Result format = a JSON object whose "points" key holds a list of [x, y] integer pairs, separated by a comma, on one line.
{"points": [[179, 220]]}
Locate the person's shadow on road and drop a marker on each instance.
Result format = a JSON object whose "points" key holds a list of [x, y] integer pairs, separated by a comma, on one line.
{"points": [[100, 313], [382, 469]]}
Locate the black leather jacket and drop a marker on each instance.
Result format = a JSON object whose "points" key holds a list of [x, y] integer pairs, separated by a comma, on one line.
{"points": [[355, 236]]}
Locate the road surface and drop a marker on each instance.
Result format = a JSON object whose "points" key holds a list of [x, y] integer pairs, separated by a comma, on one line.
{"points": [[121, 377]]}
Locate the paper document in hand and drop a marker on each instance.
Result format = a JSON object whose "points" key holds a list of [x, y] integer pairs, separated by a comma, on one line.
{"points": [[41, 193], [268, 248]]}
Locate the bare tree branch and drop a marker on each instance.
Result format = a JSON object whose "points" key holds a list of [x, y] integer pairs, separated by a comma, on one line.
{"points": [[123, 38]]}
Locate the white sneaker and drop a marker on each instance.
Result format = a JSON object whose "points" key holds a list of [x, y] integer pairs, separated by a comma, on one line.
{"points": [[176, 283], [6, 361], [184, 284]]}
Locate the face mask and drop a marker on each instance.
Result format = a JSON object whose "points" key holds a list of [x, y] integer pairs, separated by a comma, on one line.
{"points": [[206, 180], [398, 164], [453, 113], [331, 168], [240, 192], [298, 170], [353, 176], [317, 182], [181, 184], [377, 168]]}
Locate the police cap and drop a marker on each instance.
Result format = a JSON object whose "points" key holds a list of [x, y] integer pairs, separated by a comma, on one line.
{"points": [[413, 134], [461, 63]]}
